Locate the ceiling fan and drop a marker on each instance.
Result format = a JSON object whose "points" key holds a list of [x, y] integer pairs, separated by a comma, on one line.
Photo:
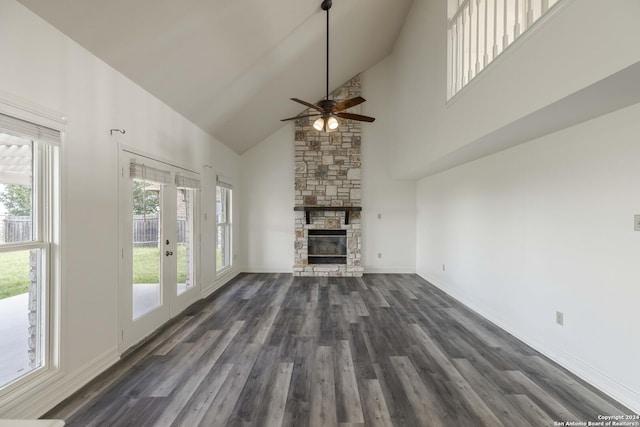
{"points": [[328, 110]]}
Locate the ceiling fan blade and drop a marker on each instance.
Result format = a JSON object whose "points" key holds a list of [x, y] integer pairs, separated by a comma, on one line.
{"points": [[357, 117], [299, 101], [301, 117], [340, 106]]}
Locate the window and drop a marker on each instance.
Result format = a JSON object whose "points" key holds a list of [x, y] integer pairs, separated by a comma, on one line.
{"points": [[223, 224], [28, 212], [479, 30]]}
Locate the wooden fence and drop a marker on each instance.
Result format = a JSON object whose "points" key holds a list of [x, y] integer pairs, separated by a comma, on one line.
{"points": [[16, 229], [146, 230]]}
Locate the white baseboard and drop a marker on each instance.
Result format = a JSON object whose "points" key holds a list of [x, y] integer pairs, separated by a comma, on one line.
{"points": [[35, 401], [603, 382], [372, 270], [220, 281], [267, 269], [389, 270]]}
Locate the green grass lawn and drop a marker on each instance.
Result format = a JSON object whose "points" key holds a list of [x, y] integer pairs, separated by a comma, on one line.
{"points": [[14, 269], [146, 265], [14, 273]]}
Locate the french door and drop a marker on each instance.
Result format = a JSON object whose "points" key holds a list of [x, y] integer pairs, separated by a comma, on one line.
{"points": [[159, 236]]}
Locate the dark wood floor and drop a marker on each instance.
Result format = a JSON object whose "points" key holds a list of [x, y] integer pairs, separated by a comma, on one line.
{"points": [[383, 350]]}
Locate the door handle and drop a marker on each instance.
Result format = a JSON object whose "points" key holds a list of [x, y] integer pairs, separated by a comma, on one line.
{"points": [[168, 253]]}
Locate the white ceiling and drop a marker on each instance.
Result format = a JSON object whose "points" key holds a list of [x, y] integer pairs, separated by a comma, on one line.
{"points": [[231, 66]]}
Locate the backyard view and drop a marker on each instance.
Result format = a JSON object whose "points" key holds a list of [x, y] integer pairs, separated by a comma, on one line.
{"points": [[15, 227], [14, 278], [20, 285]]}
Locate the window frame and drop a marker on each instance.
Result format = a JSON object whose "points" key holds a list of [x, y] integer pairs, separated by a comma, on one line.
{"points": [[46, 129], [227, 227]]}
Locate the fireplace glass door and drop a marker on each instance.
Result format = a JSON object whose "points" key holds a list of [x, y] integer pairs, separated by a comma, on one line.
{"points": [[327, 247]]}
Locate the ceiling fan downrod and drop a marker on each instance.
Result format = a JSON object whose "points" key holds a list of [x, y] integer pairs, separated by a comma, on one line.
{"points": [[329, 110], [326, 5]]}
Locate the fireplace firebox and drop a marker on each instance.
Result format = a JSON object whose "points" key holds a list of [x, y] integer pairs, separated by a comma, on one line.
{"points": [[327, 247]]}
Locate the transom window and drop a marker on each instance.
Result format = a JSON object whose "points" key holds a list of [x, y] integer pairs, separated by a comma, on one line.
{"points": [[479, 30]]}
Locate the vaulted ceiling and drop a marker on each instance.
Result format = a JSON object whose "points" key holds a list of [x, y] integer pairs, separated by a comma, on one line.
{"points": [[231, 66]]}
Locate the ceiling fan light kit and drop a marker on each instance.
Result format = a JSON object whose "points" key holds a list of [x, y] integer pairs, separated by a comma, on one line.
{"points": [[329, 110], [331, 123]]}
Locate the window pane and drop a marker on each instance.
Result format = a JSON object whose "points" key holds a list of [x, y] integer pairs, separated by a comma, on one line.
{"points": [[186, 239], [220, 258], [16, 185], [223, 232], [146, 247], [221, 205], [21, 314]]}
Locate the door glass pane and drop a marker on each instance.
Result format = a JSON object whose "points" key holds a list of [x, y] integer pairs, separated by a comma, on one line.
{"points": [[21, 314], [16, 178], [147, 246], [186, 276]]}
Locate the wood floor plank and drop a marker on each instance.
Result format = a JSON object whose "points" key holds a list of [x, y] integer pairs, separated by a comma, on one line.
{"points": [[542, 398], [425, 406], [491, 395], [358, 303], [349, 407], [246, 409], [278, 399], [381, 350], [266, 324], [163, 385], [531, 412], [474, 402], [375, 407], [400, 410], [202, 399], [381, 301], [579, 395], [226, 399], [475, 328], [323, 396]]}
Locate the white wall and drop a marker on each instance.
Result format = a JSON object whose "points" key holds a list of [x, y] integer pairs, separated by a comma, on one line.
{"points": [[584, 42], [540, 227], [268, 195], [543, 227], [267, 216], [389, 207], [42, 66]]}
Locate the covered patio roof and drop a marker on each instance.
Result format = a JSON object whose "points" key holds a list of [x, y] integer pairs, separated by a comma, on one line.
{"points": [[15, 160]]}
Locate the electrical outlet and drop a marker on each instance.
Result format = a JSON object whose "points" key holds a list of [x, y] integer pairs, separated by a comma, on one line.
{"points": [[379, 216], [559, 318], [379, 254], [444, 267]]}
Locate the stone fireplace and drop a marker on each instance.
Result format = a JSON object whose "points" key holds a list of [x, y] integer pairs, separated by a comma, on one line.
{"points": [[328, 195]]}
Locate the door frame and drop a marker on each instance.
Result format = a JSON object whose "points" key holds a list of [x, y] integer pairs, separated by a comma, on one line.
{"points": [[133, 331]]}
